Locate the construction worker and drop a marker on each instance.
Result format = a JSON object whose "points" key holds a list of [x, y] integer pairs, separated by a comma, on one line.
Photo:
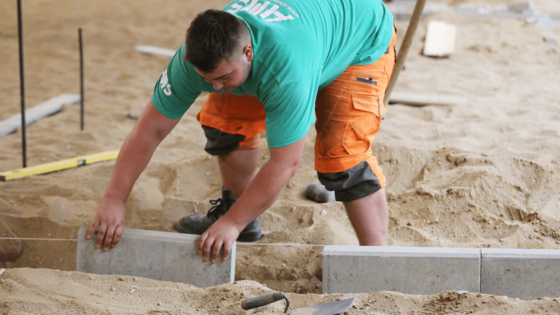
{"points": [[271, 66]]}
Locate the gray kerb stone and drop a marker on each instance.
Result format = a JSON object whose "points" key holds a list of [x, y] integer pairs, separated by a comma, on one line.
{"points": [[155, 255], [413, 270], [521, 273]]}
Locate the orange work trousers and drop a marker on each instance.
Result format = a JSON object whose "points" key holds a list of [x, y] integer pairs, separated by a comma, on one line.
{"points": [[349, 113]]}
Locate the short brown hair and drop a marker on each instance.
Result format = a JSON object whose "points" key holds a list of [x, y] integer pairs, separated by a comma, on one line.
{"points": [[212, 36]]}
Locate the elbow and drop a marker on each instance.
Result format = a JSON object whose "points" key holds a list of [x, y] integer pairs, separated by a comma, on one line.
{"points": [[286, 167], [286, 160], [159, 135], [292, 166]]}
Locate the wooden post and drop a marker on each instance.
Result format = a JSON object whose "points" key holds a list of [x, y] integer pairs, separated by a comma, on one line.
{"points": [[405, 46]]}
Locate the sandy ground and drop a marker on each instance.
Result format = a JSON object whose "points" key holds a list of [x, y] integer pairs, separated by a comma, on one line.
{"points": [[46, 291], [481, 175]]}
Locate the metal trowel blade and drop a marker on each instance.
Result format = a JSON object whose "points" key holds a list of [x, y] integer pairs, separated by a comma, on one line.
{"points": [[324, 309]]}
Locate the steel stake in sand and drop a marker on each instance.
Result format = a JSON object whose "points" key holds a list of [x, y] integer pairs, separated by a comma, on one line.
{"points": [[22, 87], [81, 79]]}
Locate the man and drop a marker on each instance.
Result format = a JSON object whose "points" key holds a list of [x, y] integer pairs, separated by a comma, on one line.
{"points": [[271, 66]]}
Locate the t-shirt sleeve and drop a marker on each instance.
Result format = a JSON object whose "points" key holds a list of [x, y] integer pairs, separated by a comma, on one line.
{"points": [[290, 112], [177, 88]]}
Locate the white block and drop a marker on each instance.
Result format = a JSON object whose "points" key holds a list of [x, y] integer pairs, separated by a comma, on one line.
{"points": [[412, 270], [440, 39], [155, 255]]}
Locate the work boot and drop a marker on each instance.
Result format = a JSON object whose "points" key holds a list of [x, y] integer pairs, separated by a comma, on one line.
{"points": [[197, 224]]}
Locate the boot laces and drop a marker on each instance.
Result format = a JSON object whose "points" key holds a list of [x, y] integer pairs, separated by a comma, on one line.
{"points": [[218, 209]]}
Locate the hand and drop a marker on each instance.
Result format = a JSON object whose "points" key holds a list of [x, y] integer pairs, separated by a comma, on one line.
{"points": [[222, 232], [110, 219]]}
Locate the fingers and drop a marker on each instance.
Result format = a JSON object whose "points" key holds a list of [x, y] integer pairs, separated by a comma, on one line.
{"points": [[227, 249], [101, 234], [201, 241], [113, 236], [110, 220], [117, 236], [210, 248], [210, 242], [207, 248], [94, 225], [109, 237], [216, 250]]}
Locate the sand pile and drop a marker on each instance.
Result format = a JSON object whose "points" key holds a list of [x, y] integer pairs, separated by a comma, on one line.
{"points": [[481, 175], [48, 291]]}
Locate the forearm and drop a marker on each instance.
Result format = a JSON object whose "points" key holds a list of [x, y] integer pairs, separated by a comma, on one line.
{"points": [[137, 150], [135, 153], [267, 184], [261, 193]]}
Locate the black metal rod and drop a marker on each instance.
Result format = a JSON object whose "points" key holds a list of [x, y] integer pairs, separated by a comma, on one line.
{"points": [[81, 80], [22, 87]]}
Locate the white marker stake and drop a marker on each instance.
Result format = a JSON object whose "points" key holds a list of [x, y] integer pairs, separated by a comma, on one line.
{"points": [[152, 50], [40, 111]]}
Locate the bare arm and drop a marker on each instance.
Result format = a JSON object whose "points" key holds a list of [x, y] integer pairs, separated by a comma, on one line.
{"points": [[135, 153], [259, 196]]}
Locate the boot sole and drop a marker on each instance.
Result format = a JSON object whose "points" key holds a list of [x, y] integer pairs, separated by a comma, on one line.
{"points": [[243, 237], [179, 229], [250, 237]]}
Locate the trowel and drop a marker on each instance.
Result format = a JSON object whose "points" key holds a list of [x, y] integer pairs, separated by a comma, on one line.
{"points": [[331, 308]]}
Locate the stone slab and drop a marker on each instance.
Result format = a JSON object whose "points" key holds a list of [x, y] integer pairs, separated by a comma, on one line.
{"points": [[155, 255], [412, 270], [521, 273]]}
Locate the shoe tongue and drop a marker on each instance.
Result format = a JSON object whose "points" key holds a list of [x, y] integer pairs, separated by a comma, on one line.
{"points": [[228, 199], [218, 209], [226, 194]]}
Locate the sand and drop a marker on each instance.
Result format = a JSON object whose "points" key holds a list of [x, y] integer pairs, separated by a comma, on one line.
{"points": [[482, 175]]}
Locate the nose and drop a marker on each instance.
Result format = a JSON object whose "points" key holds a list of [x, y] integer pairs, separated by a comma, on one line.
{"points": [[218, 86]]}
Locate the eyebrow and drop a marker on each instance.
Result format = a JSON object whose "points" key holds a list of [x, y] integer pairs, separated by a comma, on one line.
{"points": [[225, 75]]}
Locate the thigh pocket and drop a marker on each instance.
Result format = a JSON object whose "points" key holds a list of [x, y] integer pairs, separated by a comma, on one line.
{"points": [[366, 103], [363, 124]]}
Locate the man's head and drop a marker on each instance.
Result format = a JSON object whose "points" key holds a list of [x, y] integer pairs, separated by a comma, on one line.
{"points": [[219, 46]]}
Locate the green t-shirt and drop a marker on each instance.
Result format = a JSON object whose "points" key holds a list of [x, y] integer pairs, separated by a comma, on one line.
{"points": [[300, 47]]}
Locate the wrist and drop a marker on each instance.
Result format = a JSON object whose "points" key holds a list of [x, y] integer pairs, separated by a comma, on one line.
{"points": [[113, 197], [234, 221], [113, 202]]}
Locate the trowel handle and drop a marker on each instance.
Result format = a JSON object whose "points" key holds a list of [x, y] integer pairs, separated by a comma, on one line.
{"points": [[264, 300]]}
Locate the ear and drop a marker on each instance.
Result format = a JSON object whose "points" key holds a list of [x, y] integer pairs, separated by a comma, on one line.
{"points": [[248, 52]]}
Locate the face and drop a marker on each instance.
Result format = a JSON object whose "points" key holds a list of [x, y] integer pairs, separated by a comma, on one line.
{"points": [[229, 75]]}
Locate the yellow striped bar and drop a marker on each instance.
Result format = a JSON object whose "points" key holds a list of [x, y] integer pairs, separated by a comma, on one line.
{"points": [[59, 165]]}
